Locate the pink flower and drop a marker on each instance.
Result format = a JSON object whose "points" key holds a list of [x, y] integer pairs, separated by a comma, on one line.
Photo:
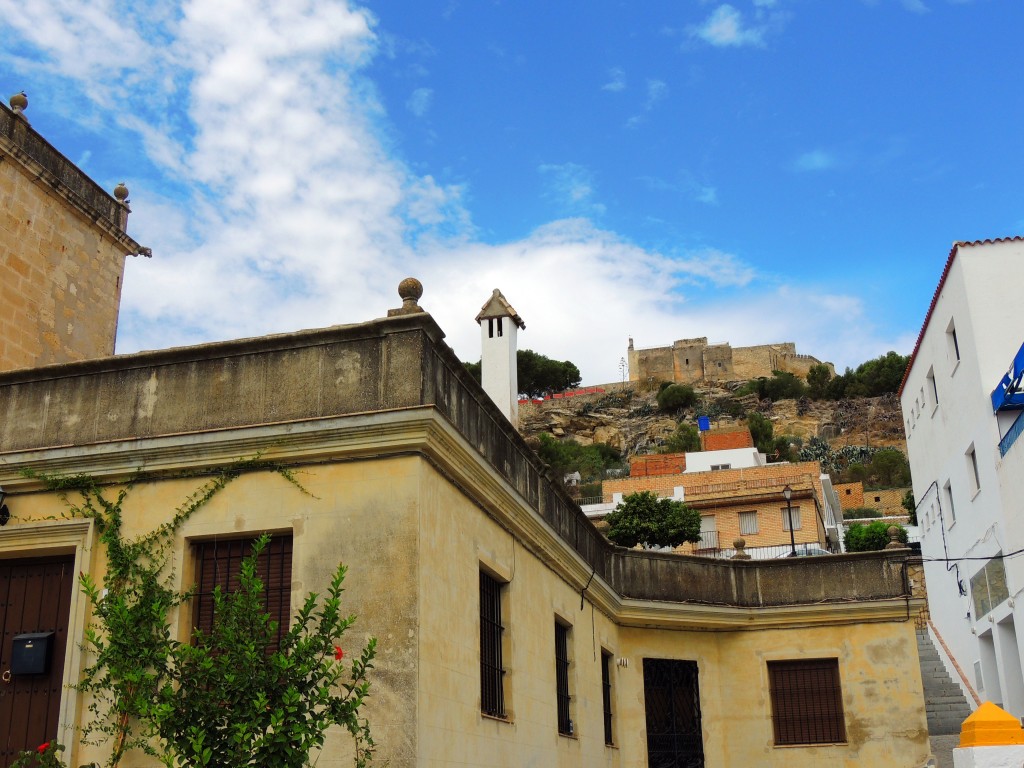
{"points": [[338, 653], [43, 747]]}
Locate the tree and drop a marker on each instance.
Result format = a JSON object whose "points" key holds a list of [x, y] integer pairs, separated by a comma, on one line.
{"points": [[871, 537], [882, 468], [644, 518], [685, 439], [566, 456], [537, 374], [763, 431], [818, 378], [870, 379], [910, 506], [676, 397], [781, 386]]}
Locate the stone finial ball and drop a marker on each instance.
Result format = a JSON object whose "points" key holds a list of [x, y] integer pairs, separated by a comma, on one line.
{"points": [[121, 192], [410, 289], [19, 101], [739, 543]]}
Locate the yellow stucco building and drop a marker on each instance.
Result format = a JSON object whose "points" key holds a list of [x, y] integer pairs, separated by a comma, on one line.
{"points": [[510, 631]]}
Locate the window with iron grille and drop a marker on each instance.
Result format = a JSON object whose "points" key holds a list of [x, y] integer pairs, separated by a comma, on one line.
{"points": [[807, 702], [606, 687], [492, 673], [748, 523], [219, 564], [562, 678]]}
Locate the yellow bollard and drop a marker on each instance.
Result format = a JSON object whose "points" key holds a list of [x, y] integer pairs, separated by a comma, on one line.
{"points": [[990, 726]]}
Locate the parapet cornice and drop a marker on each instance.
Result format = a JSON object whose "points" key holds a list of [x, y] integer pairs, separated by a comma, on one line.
{"points": [[46, 166]]}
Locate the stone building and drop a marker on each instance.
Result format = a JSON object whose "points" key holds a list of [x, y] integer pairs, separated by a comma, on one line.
{"points": [[692, 360], [425, 490], [62, 252]]}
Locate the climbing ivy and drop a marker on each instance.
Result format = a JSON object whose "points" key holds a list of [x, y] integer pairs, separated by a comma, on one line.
{"points": [[133, 659]]}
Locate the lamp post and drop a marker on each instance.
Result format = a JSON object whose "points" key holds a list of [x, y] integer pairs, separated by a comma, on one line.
{"points": [[788, 493]]}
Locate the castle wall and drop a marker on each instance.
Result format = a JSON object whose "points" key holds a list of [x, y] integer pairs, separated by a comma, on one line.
{"points": [[718, 363], [689, 361]]}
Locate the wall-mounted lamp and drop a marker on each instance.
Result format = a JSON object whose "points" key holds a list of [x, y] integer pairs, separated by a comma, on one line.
{"points": [[5, 513]]}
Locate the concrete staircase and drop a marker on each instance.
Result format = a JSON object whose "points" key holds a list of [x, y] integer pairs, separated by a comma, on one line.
{"points": [[945, 703]]}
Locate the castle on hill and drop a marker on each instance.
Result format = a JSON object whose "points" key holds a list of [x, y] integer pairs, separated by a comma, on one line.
{"points": [[688, 361]]}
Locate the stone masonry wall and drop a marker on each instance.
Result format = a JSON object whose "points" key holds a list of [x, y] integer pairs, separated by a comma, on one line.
{"points": [[60, 282], [692, 360], [62, 254]]}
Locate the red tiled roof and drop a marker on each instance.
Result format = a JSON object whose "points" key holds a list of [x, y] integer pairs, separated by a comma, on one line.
{"points": [[935, 296], [727, 439]]}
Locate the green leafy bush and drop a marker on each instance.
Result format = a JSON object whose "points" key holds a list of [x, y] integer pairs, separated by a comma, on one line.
{"points": [[676, 397], [230, 701], [781, 386], [686, 438], [871, 537], [857, 513], [644, 518]]}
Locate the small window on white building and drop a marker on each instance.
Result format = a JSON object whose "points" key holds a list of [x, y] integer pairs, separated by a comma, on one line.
{"points": [[720, 466], [953, 343], [972, 469], [796, 518], [948, 489], [748, 523], [932, 386]]}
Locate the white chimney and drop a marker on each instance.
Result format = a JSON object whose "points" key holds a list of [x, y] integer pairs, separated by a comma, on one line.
{"points": [[499, 324]]}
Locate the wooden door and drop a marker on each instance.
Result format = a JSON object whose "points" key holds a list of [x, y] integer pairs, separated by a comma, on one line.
{"points": [[35, 596]]}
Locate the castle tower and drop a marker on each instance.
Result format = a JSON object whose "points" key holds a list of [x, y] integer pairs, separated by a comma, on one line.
{"points": [[62, 252], [499, 324]]}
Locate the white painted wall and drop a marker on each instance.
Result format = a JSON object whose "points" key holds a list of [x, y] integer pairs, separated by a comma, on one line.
{"points": [[981, 298], [737, 458], [498, 364]]}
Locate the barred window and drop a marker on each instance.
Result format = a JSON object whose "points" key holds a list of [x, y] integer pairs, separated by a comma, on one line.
{"points": [[807, 702], [562, 678], [606, 687], [492, 673], [748, 523], [219, 564]]}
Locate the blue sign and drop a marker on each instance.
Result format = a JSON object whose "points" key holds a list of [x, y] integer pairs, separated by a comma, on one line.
{"points": [[703, 423]]}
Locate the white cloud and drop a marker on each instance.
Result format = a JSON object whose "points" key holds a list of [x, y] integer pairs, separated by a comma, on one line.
{"points": [[815, 160], [280, 206], [571, 187], [616, 80], [725, 28], [656, 91], [915, 6], [419, 101]]}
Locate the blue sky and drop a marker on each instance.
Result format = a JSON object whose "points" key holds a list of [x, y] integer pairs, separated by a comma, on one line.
{"points": [[754, 171]]}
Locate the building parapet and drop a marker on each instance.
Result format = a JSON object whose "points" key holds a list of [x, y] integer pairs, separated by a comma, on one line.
{"points": [[387, 365], [53, 169]]}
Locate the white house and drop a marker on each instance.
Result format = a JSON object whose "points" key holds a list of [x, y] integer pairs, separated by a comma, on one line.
{"points": [[960, 410]]}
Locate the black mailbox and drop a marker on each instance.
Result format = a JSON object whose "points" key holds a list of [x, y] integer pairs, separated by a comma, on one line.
{"points": [[30, 654]]}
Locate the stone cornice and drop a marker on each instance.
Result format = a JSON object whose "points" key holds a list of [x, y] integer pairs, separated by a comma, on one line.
{"points": [[38, 159]]}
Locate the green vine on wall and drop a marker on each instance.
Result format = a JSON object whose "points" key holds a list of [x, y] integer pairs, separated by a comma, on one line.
{"points": [[136, 665]]}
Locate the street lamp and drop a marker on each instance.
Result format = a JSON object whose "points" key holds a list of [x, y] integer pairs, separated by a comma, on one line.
{"points": [[788, 493]]}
